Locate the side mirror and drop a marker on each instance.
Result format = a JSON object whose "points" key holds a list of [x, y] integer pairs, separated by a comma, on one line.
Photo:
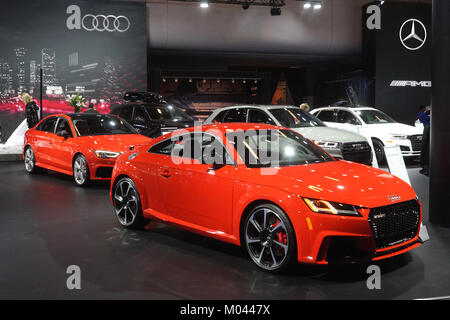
{"points": [[63, 133]]}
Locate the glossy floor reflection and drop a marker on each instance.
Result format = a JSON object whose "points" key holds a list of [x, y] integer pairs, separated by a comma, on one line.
{"points": [[47, 224]]}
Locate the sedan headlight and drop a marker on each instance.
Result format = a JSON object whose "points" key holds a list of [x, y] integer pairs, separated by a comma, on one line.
{"points": [[398, 137], [106, 154], [327, 144], [329, 207]]}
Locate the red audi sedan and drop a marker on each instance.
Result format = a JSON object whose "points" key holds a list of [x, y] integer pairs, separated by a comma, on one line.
{"points": [[270, 190], [83, 145]]}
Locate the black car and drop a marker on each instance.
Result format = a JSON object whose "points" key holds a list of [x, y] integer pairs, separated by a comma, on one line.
{"points": [[151, 115]]}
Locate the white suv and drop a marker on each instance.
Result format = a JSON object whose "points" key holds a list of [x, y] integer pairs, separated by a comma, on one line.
{"points": [[339, 143], [373, 123]]}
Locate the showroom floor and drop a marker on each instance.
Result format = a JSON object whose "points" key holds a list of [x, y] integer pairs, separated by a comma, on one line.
{"points": [[47, 224]]}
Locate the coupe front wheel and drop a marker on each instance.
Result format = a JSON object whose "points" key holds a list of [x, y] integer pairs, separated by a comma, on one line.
{"points": [[127, 204], [269, 238]]}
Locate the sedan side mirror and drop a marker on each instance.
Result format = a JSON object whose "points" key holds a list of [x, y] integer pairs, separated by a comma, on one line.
{"points": [[63, 133]]}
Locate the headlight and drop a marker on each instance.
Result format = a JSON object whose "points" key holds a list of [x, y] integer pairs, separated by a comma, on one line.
{"points": [[106, 154], [329, 207], [398, 137], [327, 144]]}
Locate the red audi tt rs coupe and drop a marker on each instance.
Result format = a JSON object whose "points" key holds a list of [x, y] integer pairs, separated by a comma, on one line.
{"points": [[83, 145], [301, 205]]}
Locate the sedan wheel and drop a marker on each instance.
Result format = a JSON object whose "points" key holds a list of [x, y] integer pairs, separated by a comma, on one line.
{"points": [[127, 204], [81, 171], [30, 161], [269, 238]]}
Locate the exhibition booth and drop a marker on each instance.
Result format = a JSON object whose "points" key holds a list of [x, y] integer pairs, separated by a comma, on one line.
{"points": [[216, 150]]}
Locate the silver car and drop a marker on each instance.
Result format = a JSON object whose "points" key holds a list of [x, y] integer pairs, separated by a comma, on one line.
{"points": [[339, 143]]}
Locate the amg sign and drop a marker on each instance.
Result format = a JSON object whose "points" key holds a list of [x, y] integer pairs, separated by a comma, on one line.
{"points": [[410, 83]]}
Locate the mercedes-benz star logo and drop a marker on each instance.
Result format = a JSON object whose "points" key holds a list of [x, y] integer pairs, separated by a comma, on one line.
{"points": [[413, 34]]}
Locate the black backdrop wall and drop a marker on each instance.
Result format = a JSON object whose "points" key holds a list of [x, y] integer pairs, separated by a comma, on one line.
{"points": [[95, 48], [388, 59]]}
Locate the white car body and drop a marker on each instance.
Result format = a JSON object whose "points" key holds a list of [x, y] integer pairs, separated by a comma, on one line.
{"points": [[340, 144], [389, 133]]}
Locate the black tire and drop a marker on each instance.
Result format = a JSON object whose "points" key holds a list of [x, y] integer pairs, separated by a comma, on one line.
{"points": [[272, 247], [81, 175], [127, 204], [30, 161], [379, 151]]}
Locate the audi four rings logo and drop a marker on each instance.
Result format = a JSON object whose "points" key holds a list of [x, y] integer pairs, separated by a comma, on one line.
{"points": [[95, 22], [413, 34]]}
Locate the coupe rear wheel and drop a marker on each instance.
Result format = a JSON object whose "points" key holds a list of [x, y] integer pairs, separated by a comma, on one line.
{"points": [[81, 171], [127, 204], [30, 161], [269, 238]]}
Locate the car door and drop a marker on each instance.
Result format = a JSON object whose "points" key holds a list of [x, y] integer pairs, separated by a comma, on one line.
{"points": [[194, 189], [45, 133], [62, 149], [347, 121]]}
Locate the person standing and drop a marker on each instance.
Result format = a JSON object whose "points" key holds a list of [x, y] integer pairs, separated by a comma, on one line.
{"points": [[424, 118], [31, 110]]}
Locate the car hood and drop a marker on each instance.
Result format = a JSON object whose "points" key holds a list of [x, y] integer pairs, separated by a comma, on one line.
{"points": [[329, 134], [115, 143], [339, 181], [396, 128]]}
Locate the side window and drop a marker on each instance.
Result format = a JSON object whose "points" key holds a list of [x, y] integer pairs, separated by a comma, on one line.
{"points": [[63, 125], [258, 116], [346, 117], [236, 115], [48, 125], [125, 112], [165, 147], [326, 115], [202, 147], [140, 115], [220, 116]]}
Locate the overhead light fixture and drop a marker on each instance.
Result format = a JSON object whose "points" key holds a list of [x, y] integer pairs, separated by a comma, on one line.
{"points": [[317, 6], [164, 79], [307, 5], [218, 80], [176, 79], [244, 81], [204, 4], [275, 11], [190, 79]]}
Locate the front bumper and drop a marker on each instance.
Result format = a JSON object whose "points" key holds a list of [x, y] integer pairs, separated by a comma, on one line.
{"points": [[342, 239], [409, 148]]}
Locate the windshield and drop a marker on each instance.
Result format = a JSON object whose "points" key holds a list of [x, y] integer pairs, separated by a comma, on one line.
{"points": [[101, 125], [295, 118], [275, 148], [169, 113], [374, 116]]}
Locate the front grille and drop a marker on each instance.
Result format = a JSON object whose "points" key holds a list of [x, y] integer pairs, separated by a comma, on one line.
{"points": [[416, 142], [395, 223], [357, 152]]}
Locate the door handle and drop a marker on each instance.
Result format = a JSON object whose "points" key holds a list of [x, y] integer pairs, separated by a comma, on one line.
{"points": [[165, 173]]}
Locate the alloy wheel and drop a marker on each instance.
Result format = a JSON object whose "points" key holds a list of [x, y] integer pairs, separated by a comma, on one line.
{"points": [[126, 202], [29, 160], [267, 238], [80, 170]]}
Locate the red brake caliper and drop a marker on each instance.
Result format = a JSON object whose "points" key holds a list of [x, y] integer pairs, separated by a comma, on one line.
{"points": [[280, 235]]}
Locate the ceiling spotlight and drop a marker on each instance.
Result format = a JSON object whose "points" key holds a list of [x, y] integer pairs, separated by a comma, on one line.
{"points": [[307, 5], [190, 79], [218, 80], [256, 81], [176, 79], [275, 11], [232, 81], [204, 80], [317, 6], [204, 4], [164, 79], [244, 81]]}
